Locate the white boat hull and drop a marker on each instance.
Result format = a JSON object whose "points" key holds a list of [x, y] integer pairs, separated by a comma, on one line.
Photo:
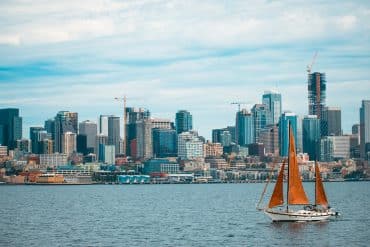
{"points": [[300, 215]]}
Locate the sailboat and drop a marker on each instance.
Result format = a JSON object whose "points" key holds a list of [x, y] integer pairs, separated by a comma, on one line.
{"points": [[296, 195]]}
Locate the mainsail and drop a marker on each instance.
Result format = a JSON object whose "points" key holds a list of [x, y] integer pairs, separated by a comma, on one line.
{"points": [[296, 194], [320, 198], [277, 197]]}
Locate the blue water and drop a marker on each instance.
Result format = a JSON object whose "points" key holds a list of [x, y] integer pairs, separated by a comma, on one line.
{"points": [[171, 215]]}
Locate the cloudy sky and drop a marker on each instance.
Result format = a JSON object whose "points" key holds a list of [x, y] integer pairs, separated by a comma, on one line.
{"points": [[171, 55]]}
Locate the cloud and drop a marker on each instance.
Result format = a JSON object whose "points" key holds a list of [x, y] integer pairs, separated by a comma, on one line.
{"points": [[168, 55]]}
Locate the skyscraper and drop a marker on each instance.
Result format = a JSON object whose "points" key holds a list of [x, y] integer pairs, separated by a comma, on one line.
{"points": [[82, 144], [286, 119], [10, 127], [222, 136], [69, 143], [144, 145], [46, 146], [23, 145], [184, 121], [101, 141], [364, 127], [37, 134], [103, 124], [244, 128], [65, 121], [89, 129], [49, 126], [34, 138], [331, 121], [316, 93], [260, 114], [114, 132], [272, 100], [269, 136], [164, 142], [133, 115], [311, 136]]}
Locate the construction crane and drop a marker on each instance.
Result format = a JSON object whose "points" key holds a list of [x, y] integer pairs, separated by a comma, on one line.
{"points": [[239, 103], [124, 99], [309, 67]]}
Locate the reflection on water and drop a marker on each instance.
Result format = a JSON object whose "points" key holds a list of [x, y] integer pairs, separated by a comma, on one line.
{"points": [[296, 227]]}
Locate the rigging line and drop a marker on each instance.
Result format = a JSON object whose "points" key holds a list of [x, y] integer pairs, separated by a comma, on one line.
{"points": [[267, 183]]}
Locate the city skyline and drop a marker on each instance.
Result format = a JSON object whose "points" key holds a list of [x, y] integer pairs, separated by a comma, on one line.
{"points": [[68, 56]]}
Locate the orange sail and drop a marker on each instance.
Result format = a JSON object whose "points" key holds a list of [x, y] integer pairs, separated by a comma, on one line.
{"points": [[277, 197], [320, 198], [296, 194]]}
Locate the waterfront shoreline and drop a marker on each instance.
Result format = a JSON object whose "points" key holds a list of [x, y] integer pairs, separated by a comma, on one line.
{"points": [[230, 182]]}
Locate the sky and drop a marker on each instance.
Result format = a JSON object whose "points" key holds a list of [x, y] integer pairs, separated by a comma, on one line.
{"points": [[171, 55]]}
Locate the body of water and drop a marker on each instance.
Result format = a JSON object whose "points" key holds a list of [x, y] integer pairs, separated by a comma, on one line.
{"points": [[172, 215]]}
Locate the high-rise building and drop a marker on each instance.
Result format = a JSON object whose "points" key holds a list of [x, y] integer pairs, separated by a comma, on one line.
{"points": [[109, 154], [144, 145], [189, 146], [331, 121], [164, 142], [23, 145], [36, 135], [10, 127], [114, 132], [232, 130], [216, 135], [316, 93], [82, 144], [356, 129], [49, 126], [260, 114], [286, 119], [335, 148], [225, 138], [47, 146], [103, 124], [244, 128], [222, 136], [184, 121], [311, 136], [101, 140], [89, 129], [364, 127], [69, 143], [269, 136], [162, 123], [65, 121], [272, 100], [133, 115]]}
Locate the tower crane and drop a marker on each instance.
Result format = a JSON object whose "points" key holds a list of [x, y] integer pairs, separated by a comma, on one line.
{"points": [[309, 67], [239, 103]]}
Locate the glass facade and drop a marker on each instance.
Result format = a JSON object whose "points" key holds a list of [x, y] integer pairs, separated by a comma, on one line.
{"points": [[272, 100], [286, 119], [311, 136], [244, 128], [184, 121], [164, 142]]}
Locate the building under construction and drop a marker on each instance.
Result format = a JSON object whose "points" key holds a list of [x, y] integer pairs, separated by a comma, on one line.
{"points": [[316, 93]]}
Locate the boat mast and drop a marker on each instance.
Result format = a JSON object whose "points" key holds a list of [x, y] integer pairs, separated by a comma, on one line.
{"points": [[287, 188], [315, 182]]}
